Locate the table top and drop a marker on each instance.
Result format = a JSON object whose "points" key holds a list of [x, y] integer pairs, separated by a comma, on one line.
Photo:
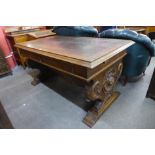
{"points": [[84, 51]]}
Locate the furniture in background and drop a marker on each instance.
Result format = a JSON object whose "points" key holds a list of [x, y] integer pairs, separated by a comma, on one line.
{"points": [[18, 36], [4, 68], [140, 29], [85, 31], [151, 89], [151, 35], [103, 28], [138, 55], [150, 29], [6, 48], [40, 34], [95, 67]]}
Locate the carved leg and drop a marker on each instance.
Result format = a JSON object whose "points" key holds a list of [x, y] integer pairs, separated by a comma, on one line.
{"points": [[35, 75], [96, 112], [23, 60], [101, 92]]}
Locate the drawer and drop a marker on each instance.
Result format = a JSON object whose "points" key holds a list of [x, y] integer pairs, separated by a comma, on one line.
{"points": [[30, 55], [55, 64], [64, 66]]}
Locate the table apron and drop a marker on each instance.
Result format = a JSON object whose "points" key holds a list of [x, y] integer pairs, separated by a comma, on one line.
{"points": [[77, 71]]}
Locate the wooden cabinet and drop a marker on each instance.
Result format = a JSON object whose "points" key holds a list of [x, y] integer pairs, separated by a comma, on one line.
{"points": [[150, 29], [4, 68], [18, 38], [22, 36]]}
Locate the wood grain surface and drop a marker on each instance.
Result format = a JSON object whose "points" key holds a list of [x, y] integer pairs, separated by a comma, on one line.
{"points": [[84, 51]]}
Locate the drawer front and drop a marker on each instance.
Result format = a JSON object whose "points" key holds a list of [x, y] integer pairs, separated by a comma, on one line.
{"points": [[30, 55], [56, 64]]}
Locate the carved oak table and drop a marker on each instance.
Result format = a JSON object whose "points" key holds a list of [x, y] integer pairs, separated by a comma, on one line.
{"points": [[95, 62]]}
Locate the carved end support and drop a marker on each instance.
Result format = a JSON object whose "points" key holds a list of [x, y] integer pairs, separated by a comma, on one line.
{"points": [[92, 115], [96, 112], [100, 91]]}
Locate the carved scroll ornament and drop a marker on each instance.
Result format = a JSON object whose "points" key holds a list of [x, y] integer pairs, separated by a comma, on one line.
{"points": [[102, 88]]}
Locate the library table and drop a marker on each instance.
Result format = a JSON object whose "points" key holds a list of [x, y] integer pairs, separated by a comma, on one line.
{"points": [[94, 63]]}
